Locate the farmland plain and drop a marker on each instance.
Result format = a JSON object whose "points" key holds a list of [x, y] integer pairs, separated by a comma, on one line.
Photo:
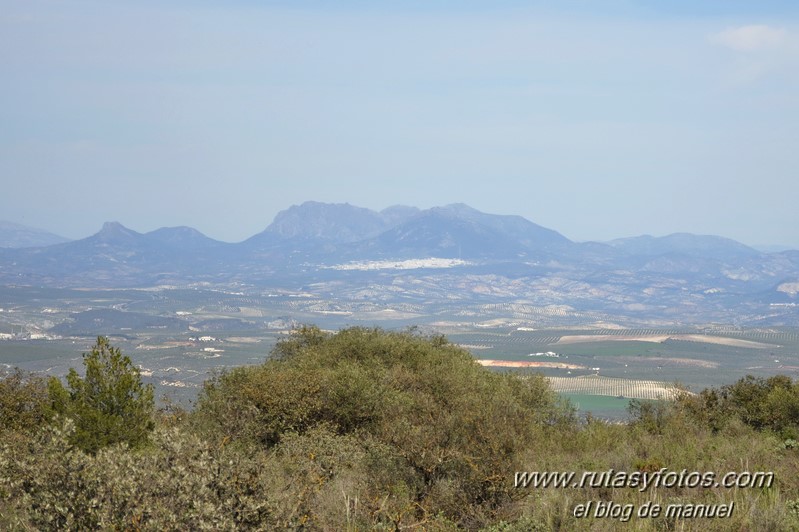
{"points": [[179, 336]]}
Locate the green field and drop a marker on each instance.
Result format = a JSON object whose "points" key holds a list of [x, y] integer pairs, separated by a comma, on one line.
{"points": [[598, 405]]}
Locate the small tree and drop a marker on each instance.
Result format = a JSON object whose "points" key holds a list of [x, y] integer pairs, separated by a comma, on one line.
{"points": [[110, 405]]}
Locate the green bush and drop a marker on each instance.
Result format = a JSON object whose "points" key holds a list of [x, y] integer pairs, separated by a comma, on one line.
{"points": [[109, 405], [762, 403], [24, 402], [456, 424], [179, 482]]}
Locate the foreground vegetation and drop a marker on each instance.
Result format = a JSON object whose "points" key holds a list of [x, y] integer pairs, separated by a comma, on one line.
{"points": [[366, 429]]}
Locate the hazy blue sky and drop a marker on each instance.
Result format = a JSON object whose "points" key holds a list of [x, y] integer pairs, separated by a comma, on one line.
{"points": [[599, 119]]}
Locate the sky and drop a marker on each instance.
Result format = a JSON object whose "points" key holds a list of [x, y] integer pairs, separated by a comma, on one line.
{"points": [[599, 119]]}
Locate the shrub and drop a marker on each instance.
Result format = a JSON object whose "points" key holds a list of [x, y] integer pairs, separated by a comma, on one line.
{"points": [[454, 423], [178, 482], [24, 403], [109, 405], [762, 403]]}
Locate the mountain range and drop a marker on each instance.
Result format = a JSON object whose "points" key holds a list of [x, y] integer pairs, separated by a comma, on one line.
{"points": [[314, 242], [20, 236]]}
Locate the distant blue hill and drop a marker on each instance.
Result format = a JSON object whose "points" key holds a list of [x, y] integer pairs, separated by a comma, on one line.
{"points": [[691, 245], [21, 236]]}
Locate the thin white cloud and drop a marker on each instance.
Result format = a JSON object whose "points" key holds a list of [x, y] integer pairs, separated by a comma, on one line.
{"points": [[751, 38]]}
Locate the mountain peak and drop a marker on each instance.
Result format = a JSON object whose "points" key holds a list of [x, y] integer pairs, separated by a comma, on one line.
{"points": [[396, 214], [180, 231], [460, 208], [338, 222], [684, 243], [181, 237], [115, 231]]}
